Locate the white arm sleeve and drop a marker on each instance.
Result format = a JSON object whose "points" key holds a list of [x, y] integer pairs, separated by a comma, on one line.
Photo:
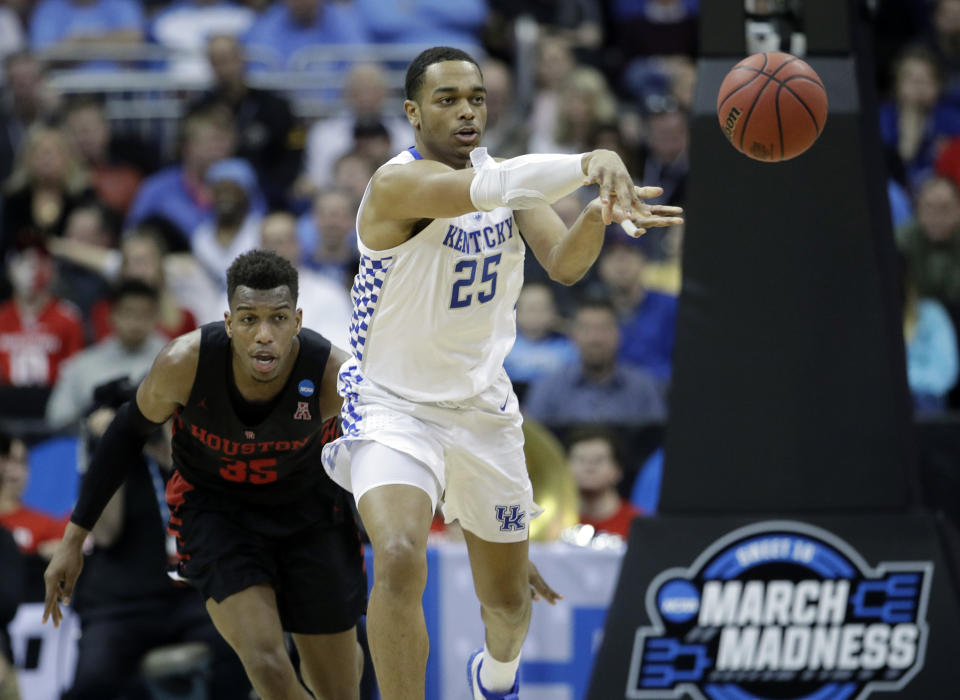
{"points": [[523, 182]]}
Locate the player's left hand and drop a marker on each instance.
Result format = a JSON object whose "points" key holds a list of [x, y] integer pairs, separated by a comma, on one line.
{"points": [[637, 220], [540, 588]]}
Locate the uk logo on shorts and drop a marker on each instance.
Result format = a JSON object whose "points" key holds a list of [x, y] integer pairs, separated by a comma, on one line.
{"points": [[303, 411], [511, 518], [782, 610], [306, 388]]}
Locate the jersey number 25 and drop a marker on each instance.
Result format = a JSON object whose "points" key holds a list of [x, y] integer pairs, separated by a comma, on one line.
{"points": [[464, 288]]}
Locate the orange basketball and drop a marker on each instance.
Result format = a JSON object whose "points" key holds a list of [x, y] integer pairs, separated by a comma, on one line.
{"points": [[772, 106]]}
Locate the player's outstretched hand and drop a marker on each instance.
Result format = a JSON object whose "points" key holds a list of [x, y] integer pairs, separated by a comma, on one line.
{"points": [[646, 215], [540, 588], [606, 169], [60, 578]]}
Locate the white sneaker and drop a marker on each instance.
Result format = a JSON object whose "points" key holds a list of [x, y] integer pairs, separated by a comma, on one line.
{"points": [[477, 690]]}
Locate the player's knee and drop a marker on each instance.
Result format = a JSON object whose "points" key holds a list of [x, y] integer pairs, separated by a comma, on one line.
{"points": [[267, 666], [400, 566], [508, 605]]}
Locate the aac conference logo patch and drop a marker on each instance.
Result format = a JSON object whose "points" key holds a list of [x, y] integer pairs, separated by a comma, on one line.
{"points": [[782, 611]]}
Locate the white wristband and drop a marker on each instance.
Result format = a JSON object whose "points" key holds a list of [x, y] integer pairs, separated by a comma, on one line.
{"points": [[523, 182]]}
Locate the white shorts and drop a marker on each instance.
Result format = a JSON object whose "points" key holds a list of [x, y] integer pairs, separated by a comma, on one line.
{"points": [[472, 448]]}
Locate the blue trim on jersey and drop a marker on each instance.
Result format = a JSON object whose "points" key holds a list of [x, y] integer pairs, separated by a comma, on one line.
{"points": [[366, 293], [416, 154]]}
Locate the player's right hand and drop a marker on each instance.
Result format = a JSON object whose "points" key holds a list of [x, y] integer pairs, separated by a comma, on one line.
{"points": [[60, 578]]}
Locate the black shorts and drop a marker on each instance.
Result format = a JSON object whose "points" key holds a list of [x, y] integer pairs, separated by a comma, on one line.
{"points": [[308, 553]]}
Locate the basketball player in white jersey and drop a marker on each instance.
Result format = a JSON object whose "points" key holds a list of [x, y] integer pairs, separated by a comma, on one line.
{"points": [[429, 412]]}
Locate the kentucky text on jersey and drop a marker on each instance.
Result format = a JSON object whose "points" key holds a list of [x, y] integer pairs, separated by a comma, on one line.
{"points": [[472, 241], [229, 447]]}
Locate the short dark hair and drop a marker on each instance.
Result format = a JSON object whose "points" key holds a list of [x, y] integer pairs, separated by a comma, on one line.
{"points": [[419, 65], [6, 441], [588, 432], [596, 302], [261, 269], [84, 101], [132, 287]]}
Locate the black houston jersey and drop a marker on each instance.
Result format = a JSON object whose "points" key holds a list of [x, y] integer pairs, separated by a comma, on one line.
{"points": [[276, 460]]}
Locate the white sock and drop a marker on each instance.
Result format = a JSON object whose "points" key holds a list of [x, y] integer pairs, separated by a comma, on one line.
{"points": [[497, 676]]}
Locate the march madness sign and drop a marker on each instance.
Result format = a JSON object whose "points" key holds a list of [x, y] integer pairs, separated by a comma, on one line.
{"points": [[782, 611]]}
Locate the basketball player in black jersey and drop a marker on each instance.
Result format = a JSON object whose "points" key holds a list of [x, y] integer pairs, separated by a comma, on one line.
{"points": [[261, 531]]}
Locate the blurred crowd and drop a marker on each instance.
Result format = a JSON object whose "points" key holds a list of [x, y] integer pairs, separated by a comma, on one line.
{"points": [[115, 238]]}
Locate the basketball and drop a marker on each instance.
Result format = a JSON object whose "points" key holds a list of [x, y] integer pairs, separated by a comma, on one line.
{"points": [[772, 106]]}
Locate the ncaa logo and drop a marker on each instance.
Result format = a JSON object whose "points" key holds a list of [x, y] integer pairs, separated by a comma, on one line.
{"points": [[306, 388], [781, 611]]}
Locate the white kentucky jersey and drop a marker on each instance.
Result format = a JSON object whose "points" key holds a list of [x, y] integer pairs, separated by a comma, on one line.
{"points": [[434, 317]]}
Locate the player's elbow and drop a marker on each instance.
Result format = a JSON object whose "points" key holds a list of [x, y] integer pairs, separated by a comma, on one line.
{"points": [[566, 277]]}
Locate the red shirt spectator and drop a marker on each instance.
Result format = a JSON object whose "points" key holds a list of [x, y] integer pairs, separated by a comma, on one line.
{"points": [[37, 330], [103, 326], [31, 528], [32, 348], [594, 458], [617, 524], [35, 532]]}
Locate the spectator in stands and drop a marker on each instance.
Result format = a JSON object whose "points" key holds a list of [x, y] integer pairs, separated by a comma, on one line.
{"points": [[185, 289], [506, 132], [540, 348], [932, 360], [327, 308], [351, 172], [285, 28], [37, 330], [36, 532], [88, 226], [595, 458], [268, 135], [11, 33], [585, 103], [944, 42], [365, 98], [66, 23], [664, 157], [429, 22], [26, 99], [931, 242], [555, 61], [917, 121], [599, 387], [654, 27], [371, 139], [334, 251], [128, 352], [47, 183], [578, 22], [234, 227], [186, 27], [126, 602], [116, 165], [647, 318], [177, 199]]}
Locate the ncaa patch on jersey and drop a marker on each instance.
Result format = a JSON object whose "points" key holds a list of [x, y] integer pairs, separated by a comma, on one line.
{"points": [[306, 388], [782, 610]]}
